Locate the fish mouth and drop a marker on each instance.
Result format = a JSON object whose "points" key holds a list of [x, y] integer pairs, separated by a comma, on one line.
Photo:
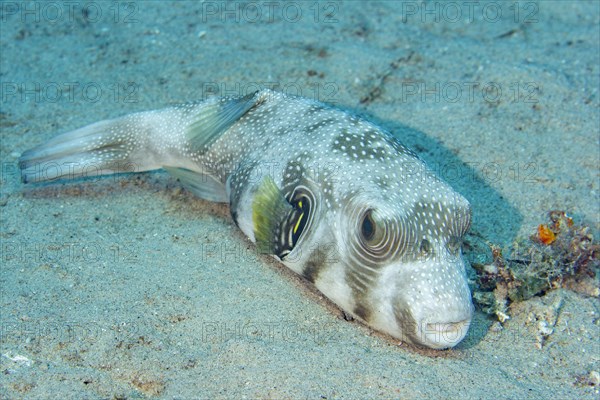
{"points": [[442, 335]]}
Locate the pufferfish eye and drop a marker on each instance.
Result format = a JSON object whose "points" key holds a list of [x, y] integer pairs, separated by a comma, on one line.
{"points": [[368, 227], [371, 232]]}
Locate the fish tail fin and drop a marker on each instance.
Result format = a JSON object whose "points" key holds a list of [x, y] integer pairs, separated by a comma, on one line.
{"points": [[106, 147]]}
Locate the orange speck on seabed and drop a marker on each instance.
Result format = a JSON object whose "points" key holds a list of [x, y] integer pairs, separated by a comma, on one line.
{"points": [[545, 235]]}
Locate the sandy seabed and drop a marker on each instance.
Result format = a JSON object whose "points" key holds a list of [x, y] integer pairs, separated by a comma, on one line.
{"points": [[129, 287]]}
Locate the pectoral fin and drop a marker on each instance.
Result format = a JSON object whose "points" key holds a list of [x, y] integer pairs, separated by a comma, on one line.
{"points": [[270, 211]]}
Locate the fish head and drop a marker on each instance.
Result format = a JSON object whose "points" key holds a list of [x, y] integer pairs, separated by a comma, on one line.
{"points": [[390, 255], [402, 258]]}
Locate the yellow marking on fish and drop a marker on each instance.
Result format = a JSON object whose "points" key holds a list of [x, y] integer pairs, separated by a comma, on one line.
{"points": [[299, 219]]}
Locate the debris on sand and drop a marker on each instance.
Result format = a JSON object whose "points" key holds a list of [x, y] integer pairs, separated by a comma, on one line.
{"points": [[559, 254]]}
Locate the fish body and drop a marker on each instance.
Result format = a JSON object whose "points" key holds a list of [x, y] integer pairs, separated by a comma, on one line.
{"points": [[334, 197]]}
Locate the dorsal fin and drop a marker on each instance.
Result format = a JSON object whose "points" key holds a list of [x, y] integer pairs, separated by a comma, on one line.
{"points": [[214, 119]]}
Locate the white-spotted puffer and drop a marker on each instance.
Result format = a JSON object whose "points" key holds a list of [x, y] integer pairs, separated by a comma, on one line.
{"points": [[334, 197]]}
